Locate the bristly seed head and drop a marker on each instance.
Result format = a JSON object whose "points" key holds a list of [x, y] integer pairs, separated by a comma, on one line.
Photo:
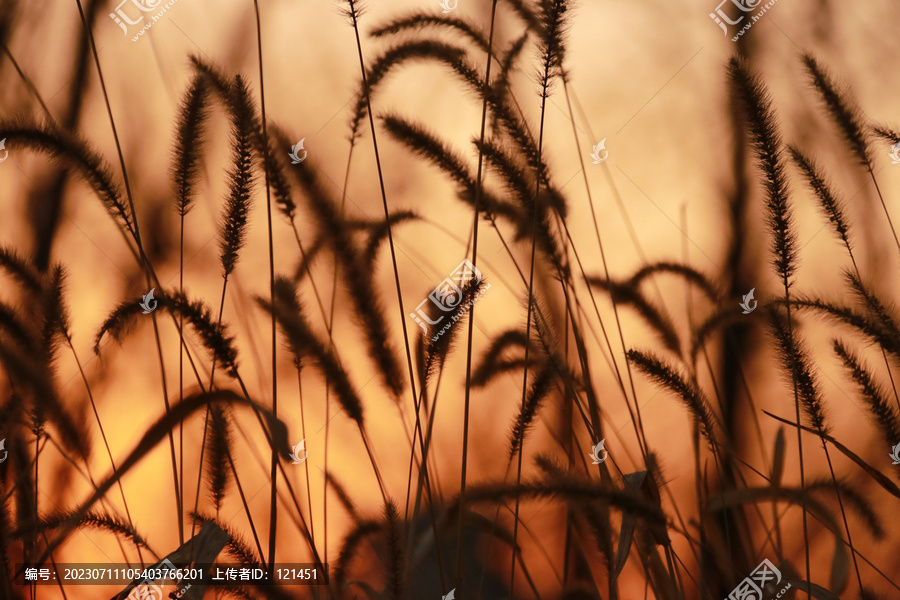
{"points": [[353, 11]]}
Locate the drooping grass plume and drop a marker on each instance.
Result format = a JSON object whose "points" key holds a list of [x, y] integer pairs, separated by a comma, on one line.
{"points": [[545, 353], [289, 313], [241, 180], [569, 489], [375, 229], [216, 78], [434, 346], [828, 201], [884, 314], [15, 329], [342, 495], [518, 182], [492, 363], [20, 269], [214, 335], [76, 152], [501, 83], [520, 137], [796, 361], [265, 144], [847, 316], [219, 441], [854, 499], [849, 121], [310, 254], [627, 294], [274, 164], [888, 134], [92, 519], [424, 144], [32, 378], [357, 276], [56, 321], [549, 201], [541, 386], [417, 22], [498, 100], [500, 86], [396, 56], [687, 392], [378, 232], [842, 111], [189, 137], [548, 342], [396, 560], [749, 91], [792, 495], [885, 415], [690, 275]]}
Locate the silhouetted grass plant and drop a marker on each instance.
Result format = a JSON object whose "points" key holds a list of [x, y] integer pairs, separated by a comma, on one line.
{"points": [[622, 527]]}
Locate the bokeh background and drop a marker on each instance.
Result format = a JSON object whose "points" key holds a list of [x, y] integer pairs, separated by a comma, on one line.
{"points": [[647, 77]]}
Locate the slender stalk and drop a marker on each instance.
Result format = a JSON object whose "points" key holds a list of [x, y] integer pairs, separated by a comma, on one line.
{"points": [[545, 83], [330, 325], [211, 386], [144, 261], [112, 462], [636, 415], [844, 517], [354, 15], [181, 383], [479, 190], [799, 432], [273, 515]]}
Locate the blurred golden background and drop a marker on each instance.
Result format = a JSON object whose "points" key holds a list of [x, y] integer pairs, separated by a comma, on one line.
{"points": [[649, 78]]}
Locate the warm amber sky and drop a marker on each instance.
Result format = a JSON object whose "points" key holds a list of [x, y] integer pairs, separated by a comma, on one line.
{"points": [[649, 79]]}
